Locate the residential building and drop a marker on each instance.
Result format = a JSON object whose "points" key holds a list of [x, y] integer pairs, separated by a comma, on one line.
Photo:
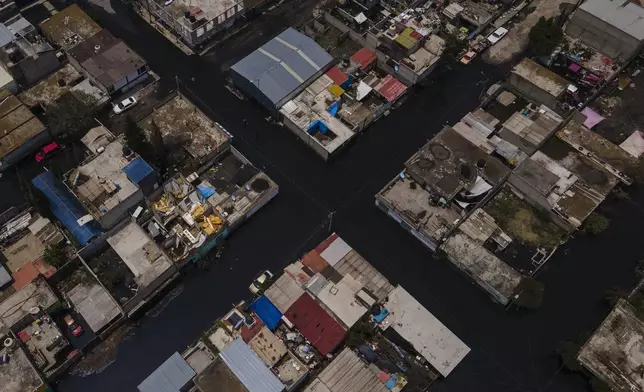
{"points": [[18, 374], [35, 295], [613, 352], [537, 83], [23, 133], [105, 60], [612, 27], [249, 368], [196, 22], [280, 69], [174, 375], [111, 181], [346, 373], [27, 56]]}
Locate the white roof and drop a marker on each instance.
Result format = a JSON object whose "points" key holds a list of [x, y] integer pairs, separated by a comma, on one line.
{"points": [[622, 14], [433, 340], [340, 298], [5, 78], [335, 251]]}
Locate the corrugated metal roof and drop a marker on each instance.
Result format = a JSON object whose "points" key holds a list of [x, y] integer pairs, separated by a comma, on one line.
{"points": [[623, 14], [347, 373], [355, 265], [317, 326], [284, 292], [391, 88], [282, 64], [171, 376], [335, 251], [364, 57], [249, 368]]}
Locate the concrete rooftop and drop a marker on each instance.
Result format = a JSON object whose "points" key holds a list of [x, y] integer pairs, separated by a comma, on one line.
{"points": [[69, 27], [18, 375]]}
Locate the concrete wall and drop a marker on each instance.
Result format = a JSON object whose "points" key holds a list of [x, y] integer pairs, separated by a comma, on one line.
{"points": [[302, 134], [533, 196], [532, 92], [25, 150], [517, 141], [601, 36], [120, 212], [389, 210]]}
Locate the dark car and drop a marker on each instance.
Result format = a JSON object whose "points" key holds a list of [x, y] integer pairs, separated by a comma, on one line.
{"points": [[76, 329]]}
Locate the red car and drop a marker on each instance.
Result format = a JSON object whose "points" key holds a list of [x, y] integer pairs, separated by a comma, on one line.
{"points": [[47, 151], [76, 329]]}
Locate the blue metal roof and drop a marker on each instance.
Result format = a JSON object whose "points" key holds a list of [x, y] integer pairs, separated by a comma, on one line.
{"points": [[267, 312], [171, 376], [137, 170], [67, 208], [282, 64], [249, 369]]}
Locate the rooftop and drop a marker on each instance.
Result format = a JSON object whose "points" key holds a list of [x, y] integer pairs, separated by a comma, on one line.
{"points": [[346, 373], [284, 292], [290, 370], [529, 127], [203, 9], [94, 303], [69, 27], [615, 353], [268, 347], [218, 377], [199, 357], [449, 164], [114, 274], [17, 123], [249, 369], [34, 295], [100, 183], [18, 375], [541, 77], [53, 87], [340, 298], [433, 340], [625, 15], [140, 253], [44, 341], [106, 58], [180, 121], [172, 376], [282, 64]]}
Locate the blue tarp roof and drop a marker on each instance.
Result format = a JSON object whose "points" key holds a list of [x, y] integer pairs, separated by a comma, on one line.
{"points": [[67, 208], [171, 376], [137, 170], [282, 64], [267, 312], [249, 369]]}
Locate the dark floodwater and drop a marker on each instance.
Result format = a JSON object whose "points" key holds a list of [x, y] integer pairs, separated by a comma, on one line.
{"points": [[511, 351]]}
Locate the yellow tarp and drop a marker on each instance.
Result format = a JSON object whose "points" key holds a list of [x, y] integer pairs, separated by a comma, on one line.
{"points": [[336, 90], [405, 39]]}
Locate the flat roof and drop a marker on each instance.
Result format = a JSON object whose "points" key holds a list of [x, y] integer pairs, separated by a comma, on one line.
{"points": [[346, 373], [101, 182], [18, 375], [267, 346], [35, 294], [179, 119], [541, 77], [622, 14], [17, 123], [218, 377], [283, 64], [249, 369], [50, 89], [449, 164], [140, 253], [112, 62], [532, 126], [284, 292], [340, 298], [69, 27], [614, 352], [39, 339], [94, 303], [202, 9], [490, 272], [433, 340], [317, 326], [31, 246]]}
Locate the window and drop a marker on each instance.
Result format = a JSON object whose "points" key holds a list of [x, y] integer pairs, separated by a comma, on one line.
{"points": [[200, 31], [210, 25]]}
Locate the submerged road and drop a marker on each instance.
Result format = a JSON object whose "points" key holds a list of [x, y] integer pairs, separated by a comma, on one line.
{"points": [[511, 350]]}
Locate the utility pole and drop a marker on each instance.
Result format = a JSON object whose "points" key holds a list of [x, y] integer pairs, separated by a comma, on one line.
{"points": [[331, 219]]}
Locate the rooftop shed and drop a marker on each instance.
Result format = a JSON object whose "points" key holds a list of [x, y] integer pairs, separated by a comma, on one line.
{"points": [[433, 340], [171, 376], [317, 326], [249, 368], [281, 68]]}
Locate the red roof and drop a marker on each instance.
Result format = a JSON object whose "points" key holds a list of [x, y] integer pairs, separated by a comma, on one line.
{"points": [[337, 75], [391, 88], [249, 333], [314, 261], [317, 326], [364, 57], [325, 244]]}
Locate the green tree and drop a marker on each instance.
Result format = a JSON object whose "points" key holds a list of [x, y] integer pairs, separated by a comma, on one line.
{"points": [[595, 224], [71, 114], [545, 36], [55, 255]]}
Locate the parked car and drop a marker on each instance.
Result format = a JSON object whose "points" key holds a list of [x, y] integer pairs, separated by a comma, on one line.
{"points": [[76, 329], [124, 105], [497, 35], [47, 151], [260, 281], [467, 57]]}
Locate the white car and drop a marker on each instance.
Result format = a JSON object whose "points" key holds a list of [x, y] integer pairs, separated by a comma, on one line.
{"points": [[259, 282], [497, 35], [124, 105]]}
